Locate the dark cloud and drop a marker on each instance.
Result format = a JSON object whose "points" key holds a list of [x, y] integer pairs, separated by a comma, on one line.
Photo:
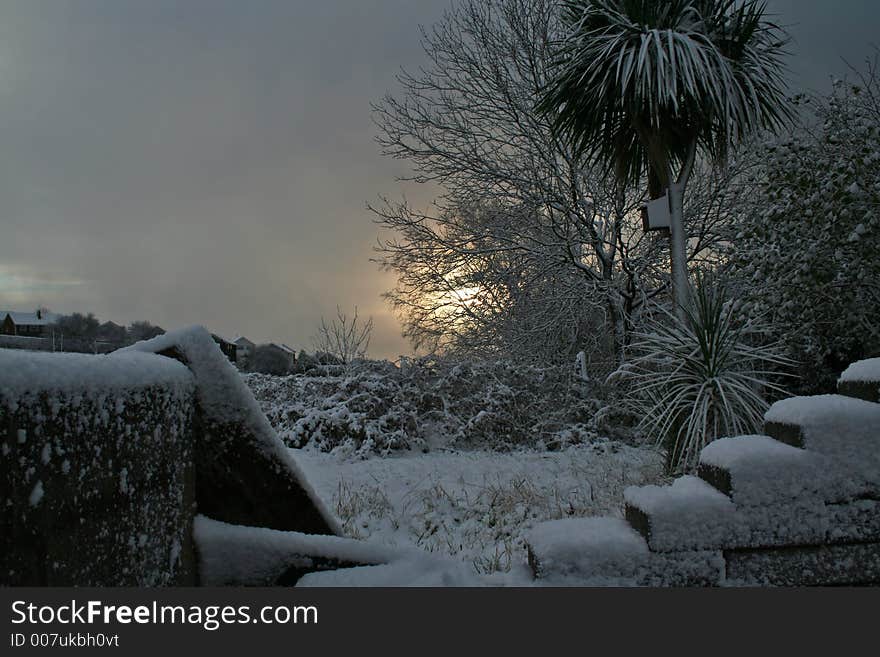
{"points": [[209, 161]]}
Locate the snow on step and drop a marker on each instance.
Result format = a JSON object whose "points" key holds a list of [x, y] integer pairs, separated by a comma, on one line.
{"points": [[863, 370], [601, 547], [844, 428], [609, 552], [756, 470], [693, 515], [689, 514], [255, 556], [862, 380]]}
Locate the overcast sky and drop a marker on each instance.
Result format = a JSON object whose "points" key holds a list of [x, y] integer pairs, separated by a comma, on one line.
{"points": [[209, 161]]}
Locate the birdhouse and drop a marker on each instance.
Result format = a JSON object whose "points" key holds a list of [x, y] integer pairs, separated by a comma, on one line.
{"points": [[655, 214]]}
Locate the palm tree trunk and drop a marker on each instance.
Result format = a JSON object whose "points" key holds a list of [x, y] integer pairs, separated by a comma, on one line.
{"points": [[678, 237], [678, 248]]}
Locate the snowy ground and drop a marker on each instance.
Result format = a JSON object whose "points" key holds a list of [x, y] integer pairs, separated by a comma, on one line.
{"points": [[475, 505]]}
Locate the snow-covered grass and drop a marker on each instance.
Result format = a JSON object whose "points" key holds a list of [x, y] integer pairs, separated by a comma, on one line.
{"points": [[458, 460], [475, 505]]}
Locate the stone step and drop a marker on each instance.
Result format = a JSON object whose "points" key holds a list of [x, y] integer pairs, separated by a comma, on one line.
{"points": [[843, 428], [603, 551], [861, 380], [690, 514], [818, 565], [758, 470]]}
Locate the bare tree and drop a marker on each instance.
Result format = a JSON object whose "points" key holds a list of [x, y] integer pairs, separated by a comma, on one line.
{"points": [[346, 338], [529, 251]]}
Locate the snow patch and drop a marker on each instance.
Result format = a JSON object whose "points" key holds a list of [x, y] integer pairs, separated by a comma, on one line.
{"points": [[37, 493], [239, 555]]}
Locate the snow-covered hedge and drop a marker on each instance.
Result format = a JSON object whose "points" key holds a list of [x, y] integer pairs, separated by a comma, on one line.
{"points": [[806, 252], [97, 483], [377, 407]]}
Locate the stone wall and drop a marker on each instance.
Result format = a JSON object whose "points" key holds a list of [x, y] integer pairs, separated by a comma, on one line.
{"points": [[98, 481], [799, 506], [107, 459]]}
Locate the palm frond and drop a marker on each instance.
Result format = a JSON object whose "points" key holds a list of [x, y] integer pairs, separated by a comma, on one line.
{"points": [[638, 80], [696, 379]]}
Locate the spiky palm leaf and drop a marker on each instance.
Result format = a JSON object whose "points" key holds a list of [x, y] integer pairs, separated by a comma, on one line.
{"points": [[701, 378], [640, 82]]}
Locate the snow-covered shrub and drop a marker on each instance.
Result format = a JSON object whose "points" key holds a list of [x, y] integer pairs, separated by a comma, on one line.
{"points": [[377, 407], [806, 254], [702, 377]]}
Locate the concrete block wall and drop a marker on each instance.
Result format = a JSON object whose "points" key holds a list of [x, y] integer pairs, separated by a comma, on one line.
{"points": [[798, 506], [108, 460], [98, 483]]}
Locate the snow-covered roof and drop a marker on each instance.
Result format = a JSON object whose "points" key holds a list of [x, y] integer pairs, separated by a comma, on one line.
{"points": [[30, 319], [221, 338], [242, 341]]}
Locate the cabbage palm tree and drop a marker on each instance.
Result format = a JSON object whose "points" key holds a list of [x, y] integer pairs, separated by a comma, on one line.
{"points": [[642, 86]]}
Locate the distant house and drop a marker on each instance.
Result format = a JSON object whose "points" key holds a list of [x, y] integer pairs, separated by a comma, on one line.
{"points": [[111, 332], [282, 352], [33, 325], [244, 348], [288, 352], [228, 347]]}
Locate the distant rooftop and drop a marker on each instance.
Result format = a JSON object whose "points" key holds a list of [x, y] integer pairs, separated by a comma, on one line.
{"points": [[30, 319]]}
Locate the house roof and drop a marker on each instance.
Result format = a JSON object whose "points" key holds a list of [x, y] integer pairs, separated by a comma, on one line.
{"points": [[240, 340], [30, 319], [283, 347], [220, 338]]}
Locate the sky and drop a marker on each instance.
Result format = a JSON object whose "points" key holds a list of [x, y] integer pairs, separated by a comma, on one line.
{"points": [[210, 161]]}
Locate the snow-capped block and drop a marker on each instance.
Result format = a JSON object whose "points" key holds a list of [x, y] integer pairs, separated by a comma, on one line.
{"points": [[841, 427], [606, 549], [862, 380], [30, 372], [235, 555], [690, 514], [756, 470], [245, 473], [609, 552]]}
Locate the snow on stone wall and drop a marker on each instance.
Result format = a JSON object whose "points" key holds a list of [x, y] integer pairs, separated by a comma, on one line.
{"points": [[97, 470], [247, 476]]}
